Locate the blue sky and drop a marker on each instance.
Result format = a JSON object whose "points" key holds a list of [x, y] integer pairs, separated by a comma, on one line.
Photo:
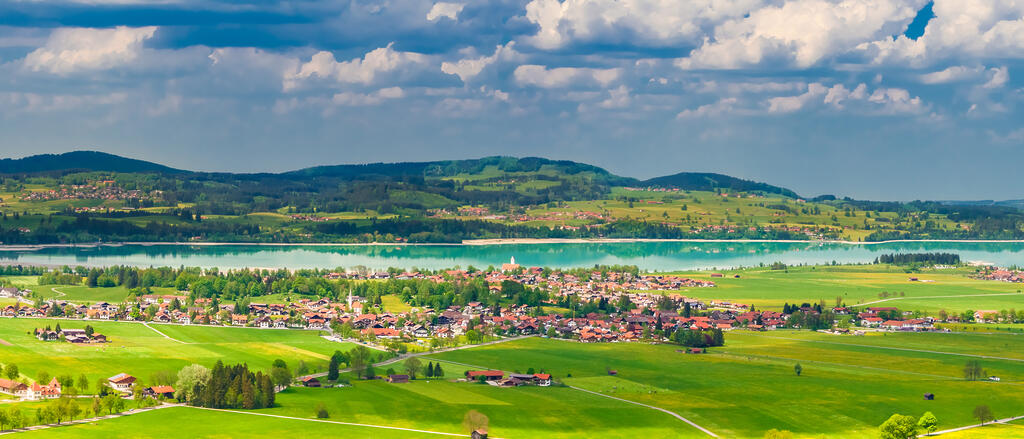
{"points": [[876, 99]]}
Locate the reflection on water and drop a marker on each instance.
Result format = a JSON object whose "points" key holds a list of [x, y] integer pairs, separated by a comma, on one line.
{"points": [[647, 255]]}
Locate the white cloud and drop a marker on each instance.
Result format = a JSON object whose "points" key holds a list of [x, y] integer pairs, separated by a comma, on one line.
{"points": [[951, 74], [168, 105], [445, 10], [789, 104], [881, 101], [617, 98], [39, 103], [468, 68], [359, 70], [362, 99], [998, 78], [541, 76], [69, 50], [658, 22], [723, 106], [961, 29], [801, 32]]}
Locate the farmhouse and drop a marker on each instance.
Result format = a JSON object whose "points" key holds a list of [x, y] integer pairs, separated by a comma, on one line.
{"points": [[159, 392], [489, 375], [398, 379], [310, 382], [121, 382], [15, 388]]}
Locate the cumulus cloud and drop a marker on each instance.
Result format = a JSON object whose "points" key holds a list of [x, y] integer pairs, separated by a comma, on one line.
{"points": [[723, 106], [445, 10], [881, 101], [359, 70], [653, 22], [69, 50], [360, 99], [961, 28], [541, 76], [800, 32], [951, 74], [468, 68], [998, 77]]}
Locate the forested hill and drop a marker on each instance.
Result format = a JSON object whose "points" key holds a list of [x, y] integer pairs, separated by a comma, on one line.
{"points": [[79, 161], [701, 181]]}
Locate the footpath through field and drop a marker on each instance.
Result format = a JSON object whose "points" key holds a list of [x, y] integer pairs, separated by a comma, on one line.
{"points": [[333, 422], [146, 324], [968, 427]]}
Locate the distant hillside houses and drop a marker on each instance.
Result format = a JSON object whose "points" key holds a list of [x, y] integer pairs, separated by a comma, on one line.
{"points": [[32, 392], [14, 292]]}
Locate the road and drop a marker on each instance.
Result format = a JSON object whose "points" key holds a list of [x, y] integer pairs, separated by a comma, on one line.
{"points": [[938, 297], [968, 427]]}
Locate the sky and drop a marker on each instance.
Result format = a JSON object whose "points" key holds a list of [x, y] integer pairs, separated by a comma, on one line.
{"points": [[873, 99]]}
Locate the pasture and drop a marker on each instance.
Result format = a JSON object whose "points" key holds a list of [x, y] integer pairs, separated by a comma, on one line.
{"points": [[141, 351], [188, 422], [749, 386], [951, 290]]}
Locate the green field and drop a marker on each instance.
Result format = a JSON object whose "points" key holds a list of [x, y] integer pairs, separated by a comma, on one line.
{"points": [[187, 422], [857, 285], [749, 386], [141, 351]]}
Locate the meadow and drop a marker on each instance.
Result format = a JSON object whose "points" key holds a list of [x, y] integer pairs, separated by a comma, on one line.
{"points": [[142, 351], [858, 285], [749, 386], [187, 422]]}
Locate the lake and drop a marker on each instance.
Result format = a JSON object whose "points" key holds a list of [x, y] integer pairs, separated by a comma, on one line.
{"points": [[654, 256]]}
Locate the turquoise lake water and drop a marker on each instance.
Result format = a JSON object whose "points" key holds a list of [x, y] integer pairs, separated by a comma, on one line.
{"points": [[655, 256]]}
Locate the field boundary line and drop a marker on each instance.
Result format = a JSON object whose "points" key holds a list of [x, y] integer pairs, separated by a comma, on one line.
{"points": [[146, 324], [924, 351], [674, 414], [838, 365], [325, 421], [968, 427]]}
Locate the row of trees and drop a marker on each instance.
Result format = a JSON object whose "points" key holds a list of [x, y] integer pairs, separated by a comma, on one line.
{"points": [[226, 387]]}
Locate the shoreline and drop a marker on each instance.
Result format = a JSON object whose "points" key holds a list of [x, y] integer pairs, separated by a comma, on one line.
{"points": [[497, 241]]}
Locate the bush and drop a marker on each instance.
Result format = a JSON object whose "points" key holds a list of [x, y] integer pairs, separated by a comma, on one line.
{"points": [[321, 411]]}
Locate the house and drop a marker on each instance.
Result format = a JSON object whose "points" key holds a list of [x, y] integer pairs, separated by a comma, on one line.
{"points": [[121, 382], [489, 375], [15, 388], [49, 391], [542, 379], [310, 382], [398, 379], [159, 392], [239, 319], [986, 315]]}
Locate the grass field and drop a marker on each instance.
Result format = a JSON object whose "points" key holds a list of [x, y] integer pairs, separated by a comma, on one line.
{"points": [[769, 289], [187, 422], [140, 351], [749, 386]]}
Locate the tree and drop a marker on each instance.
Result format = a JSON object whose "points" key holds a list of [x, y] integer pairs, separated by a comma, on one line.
{"points": [[281, 376], [4, 420], [798, 369], [899, 427], [97, 406], [43, 377], [413, 366], [83, 383], [438, 373], [359, 357], [983, 414], [429, 373], [11, 371], [369, 373], [15, 417], [332, 369], [928, 422], [474, 420], [473, 336], [321, 411], [973, 371], [189, 378]]}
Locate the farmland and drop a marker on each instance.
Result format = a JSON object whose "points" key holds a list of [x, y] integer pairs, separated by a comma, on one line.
{"points": [[749, 386], [142, 351], [860, 284]]}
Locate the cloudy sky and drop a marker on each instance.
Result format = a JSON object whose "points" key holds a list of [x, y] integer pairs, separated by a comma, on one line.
{"points": [[877, 99]]}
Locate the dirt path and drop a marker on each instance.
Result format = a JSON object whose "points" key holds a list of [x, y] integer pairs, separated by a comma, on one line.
{"points": [[146, 324], [673, 414], [334, 422], [87, 420], [968, 427]]}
